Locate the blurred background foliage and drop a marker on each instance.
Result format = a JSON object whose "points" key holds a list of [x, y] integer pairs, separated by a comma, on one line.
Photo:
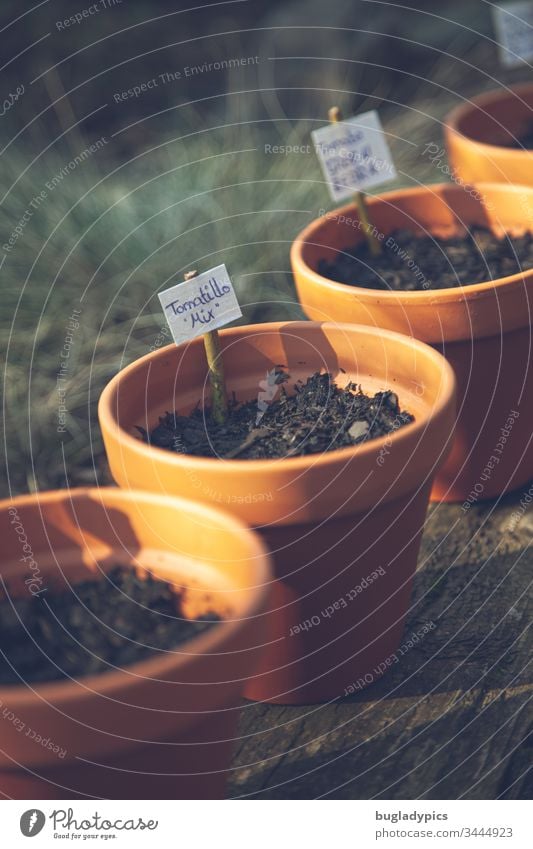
{"points": [[184, 176]]}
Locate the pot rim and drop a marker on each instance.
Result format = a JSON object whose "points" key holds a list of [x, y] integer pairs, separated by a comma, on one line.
{"points": [[457, 114], [445, 396], [111, 682], [434, 297]]}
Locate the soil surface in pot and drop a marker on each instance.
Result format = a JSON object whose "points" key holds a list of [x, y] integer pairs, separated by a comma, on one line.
{"points": [[98, 625], [319, 416], [409, 262]]}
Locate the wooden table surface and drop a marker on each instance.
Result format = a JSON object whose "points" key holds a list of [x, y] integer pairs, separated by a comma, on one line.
{"points": [[451, 719]]}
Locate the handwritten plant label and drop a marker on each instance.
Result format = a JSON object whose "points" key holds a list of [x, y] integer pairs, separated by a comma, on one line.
{"points": [[514, 32], [199, 305], [354, 155]]}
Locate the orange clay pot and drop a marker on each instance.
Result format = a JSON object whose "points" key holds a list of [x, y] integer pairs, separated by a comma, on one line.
{"points": [[483, 330], [331, 520], [163, 727], [477, 131]]}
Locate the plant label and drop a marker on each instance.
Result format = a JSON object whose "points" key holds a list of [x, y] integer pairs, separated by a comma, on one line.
{"points": [[354, 155], [204, 303], [513, 23]]}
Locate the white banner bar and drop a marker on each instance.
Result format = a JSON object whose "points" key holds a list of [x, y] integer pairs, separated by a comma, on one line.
{"points": [[267, 824]]}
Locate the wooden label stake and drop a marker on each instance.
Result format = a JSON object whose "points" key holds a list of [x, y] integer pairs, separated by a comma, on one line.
{"points": [[199, 307]]}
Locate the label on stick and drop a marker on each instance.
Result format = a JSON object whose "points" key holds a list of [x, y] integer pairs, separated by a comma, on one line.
{"points": [[199, 305], [354, 155], [513, 23]]}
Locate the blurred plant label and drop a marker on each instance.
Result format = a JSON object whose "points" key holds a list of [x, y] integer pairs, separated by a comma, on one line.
{"points": [[513, 23], [199, 305], [354, 155]]}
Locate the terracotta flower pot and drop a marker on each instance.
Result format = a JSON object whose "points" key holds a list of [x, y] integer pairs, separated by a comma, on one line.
{"points": [[331, 520], [477, 132], [483, 330], [163, 727]]}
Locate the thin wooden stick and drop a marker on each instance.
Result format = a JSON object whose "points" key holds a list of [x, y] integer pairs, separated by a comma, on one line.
{"points": [[219, 402], [64, 112], [335, 115]]}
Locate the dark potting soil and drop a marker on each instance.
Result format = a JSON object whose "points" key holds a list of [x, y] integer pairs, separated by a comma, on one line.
{"points": [[96, 626], [409, 262], [318, 417]]}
